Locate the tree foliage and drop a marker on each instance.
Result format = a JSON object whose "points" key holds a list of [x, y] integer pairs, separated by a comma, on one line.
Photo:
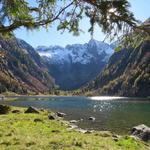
{"points": [[112, 16]]}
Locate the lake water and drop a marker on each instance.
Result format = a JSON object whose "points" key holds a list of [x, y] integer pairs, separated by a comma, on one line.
{"points": [[116, 114]]}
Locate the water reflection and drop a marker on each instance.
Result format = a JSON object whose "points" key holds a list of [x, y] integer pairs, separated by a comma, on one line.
{"points": [[102, 98], [117, 115]]}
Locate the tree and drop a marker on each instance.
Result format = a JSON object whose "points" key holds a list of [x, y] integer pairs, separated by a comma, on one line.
{"points": [[113, 16]]}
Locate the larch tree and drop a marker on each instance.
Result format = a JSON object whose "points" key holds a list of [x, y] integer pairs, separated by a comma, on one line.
{"points": [[113, 16]]}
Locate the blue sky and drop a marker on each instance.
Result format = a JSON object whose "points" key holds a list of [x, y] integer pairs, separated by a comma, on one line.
{"points": [[52, 37]]}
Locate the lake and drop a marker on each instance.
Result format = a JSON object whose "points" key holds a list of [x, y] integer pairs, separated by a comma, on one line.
{"points": [[116, 114]]}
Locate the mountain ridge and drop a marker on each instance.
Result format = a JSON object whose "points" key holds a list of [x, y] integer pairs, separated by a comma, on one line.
{"points": [[75, 65], [126, 74], [22, 70], [74, 51]]}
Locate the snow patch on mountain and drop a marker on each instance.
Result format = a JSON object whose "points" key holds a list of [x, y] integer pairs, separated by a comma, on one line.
{"points": [[76, 53]]}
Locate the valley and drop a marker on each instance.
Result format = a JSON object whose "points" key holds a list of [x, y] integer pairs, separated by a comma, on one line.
{"points": [[74, 75], [93, 68], [75, 65]]}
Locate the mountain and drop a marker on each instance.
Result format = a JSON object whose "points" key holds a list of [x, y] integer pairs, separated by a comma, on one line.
{"points": [[75, 65], [22, 70], [126, 74]]}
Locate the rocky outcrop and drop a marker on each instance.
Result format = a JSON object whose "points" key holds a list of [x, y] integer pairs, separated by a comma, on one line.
{"points": [[73, 121], [52, 117], [60, 114], [141, 131], [16, 111], [32, 110]]}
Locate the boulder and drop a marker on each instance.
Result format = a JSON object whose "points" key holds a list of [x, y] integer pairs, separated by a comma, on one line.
{"points": [[4, 109], [92, 118], [2, 97], [116, 137], [72, 126], [32, 110], [81, 130], [60, 114], [73, 121], [51, 117], [16, 111], [141, 131]]}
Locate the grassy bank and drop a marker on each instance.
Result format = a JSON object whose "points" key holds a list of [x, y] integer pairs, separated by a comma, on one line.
{"points": [[20, 131]]}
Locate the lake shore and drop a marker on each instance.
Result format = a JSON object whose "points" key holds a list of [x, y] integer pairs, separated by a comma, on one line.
{"points": [[21, 130], [105, 112]]}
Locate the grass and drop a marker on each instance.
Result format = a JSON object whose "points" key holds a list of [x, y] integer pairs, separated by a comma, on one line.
{"points": [[36, 132]]}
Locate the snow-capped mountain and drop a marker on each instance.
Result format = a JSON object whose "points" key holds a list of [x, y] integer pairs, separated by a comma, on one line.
{"points": [[74, 65], [76, 53]]}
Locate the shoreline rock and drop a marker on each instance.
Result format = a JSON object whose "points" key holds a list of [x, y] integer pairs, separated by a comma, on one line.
{"points": [[92, 118], [60, 114], [32, 110], [51, 117], [16, 111], [2, 97], [142, 132], [73, 121]]}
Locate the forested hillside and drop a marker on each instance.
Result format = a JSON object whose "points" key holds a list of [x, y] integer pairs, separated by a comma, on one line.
{"points": [[127, 74], [21, 69]]}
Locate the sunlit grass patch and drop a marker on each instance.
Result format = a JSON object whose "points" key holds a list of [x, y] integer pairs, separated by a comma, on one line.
{"points": [[35, 131]]}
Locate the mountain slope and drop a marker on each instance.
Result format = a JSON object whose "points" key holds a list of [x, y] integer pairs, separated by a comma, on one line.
{"points": [[21, 69], [77, 64], [127, 74]]}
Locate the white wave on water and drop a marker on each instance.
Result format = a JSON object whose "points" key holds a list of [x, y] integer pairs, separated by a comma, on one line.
{"points": [[101, 98]]}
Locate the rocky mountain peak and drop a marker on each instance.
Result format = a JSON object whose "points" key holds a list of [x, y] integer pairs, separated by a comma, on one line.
{"points": [[74, 65], [76, 53]]}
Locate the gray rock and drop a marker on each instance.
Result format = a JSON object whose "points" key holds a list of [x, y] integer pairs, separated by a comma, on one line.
{"points": [[141, 131], [89, 131], [32, 110], [60, 114], [4, 109], [16, 111], [51, 117], [92, 118], [81, 130], [116, 137], [73, 121], [2, 97], [72, 126]]}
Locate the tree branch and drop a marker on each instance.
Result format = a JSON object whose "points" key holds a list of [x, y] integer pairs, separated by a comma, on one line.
{"points": [[30, 23]]}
